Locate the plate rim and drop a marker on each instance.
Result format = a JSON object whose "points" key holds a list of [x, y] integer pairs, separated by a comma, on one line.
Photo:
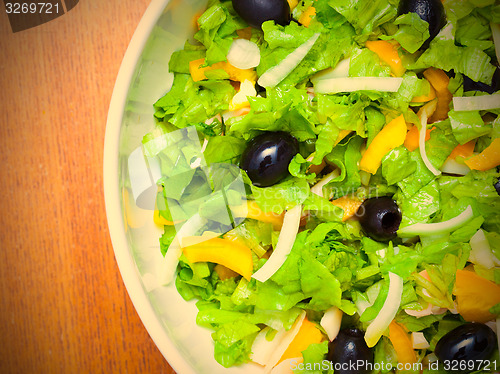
{"points": [[114, 213]]}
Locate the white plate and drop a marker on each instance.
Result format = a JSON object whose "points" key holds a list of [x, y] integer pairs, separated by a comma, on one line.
{"points": [[142, 79]]}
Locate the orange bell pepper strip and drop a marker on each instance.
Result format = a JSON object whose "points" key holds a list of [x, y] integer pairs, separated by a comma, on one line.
{"points": [[388, 53], [487, 159], [349, 205], [308, 334], [197, 71], [425, 98], [475, 296], [306, 17], [439, 80], [391, 136], [401, 343], [412, 138], [463, 150], [231, 254]]}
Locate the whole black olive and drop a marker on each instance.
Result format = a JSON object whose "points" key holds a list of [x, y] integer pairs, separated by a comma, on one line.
{"points": [[380, 218], [255, 12], [470, 85], [468, 345], [431, 11], [348, 350], [267, 156]]}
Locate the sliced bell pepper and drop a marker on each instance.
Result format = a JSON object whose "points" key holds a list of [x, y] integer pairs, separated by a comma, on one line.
{"points": [[307, 335], [388, 53], [161, 221], [463, 150], [475, 296], [439, 80], [197, 71], [401, 343], [306, 17], [411, 140], [425, 98], [224, 272], [391, 136], [231, 254], [349, 205], [293, 3], [487, 159], [134, 216]]}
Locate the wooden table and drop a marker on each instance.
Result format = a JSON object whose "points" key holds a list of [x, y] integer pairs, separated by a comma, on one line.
{"points": [[64, 307]]}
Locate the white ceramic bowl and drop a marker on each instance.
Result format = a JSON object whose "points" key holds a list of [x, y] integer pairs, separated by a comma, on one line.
{"points": [[142, 79]]}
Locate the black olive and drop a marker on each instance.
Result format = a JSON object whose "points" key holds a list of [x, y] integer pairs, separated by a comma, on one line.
{"points": [[380, 218], [348, 350], [468, 344], [267, 156], [431, 11], [497, 186], [255, 12], [470, 85]]}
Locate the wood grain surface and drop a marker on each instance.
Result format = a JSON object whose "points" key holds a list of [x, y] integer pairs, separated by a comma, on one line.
{"points": [[64, 307]]}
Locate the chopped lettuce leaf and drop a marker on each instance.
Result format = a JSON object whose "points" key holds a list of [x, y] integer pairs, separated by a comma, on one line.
{"points": [[413, 31], [468, 125]]}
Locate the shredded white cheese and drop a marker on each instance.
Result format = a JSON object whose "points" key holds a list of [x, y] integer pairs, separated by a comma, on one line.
{"points": [[276, 74], [483, 102], [391, 305], [286, 239], [351, 84]]}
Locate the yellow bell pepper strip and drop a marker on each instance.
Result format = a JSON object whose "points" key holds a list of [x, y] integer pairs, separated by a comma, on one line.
{"points": [[425, 98], [252, 210], [475, 296], [402, 344], [306, 17], [463, 150], [411, 140], [161, 221], [342, 134], [308, 334], [293, 3], [224, 272], [388, 53], [391, 136], [439, 80], [349, 205], [231, 254], [487, 159], [135, 217], [197, 71]]}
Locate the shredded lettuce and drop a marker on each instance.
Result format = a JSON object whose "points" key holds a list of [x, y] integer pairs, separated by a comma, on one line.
{"points": [[332, 262]]}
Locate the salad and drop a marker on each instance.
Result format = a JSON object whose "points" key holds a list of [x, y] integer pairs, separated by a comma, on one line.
{"points": [[329, 183]]}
